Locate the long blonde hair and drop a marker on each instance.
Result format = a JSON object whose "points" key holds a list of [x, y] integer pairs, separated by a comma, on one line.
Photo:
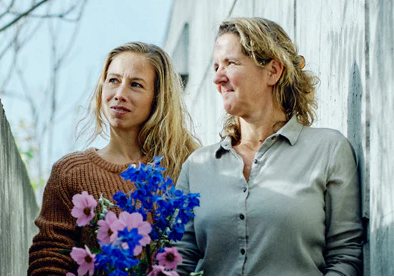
{"points": [[169, 130], [264, 40]]}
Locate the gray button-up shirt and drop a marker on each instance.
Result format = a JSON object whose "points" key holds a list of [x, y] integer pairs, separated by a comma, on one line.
{"points": [[299, 213]]}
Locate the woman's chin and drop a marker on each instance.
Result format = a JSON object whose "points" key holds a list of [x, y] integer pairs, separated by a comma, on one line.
{"points": [[229, 108], [117, 124]]}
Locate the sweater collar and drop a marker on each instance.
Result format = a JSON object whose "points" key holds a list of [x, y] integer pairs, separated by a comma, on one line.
{"points": [[99, 161]]}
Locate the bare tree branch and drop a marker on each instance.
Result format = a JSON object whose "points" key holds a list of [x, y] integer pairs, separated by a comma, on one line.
{"points": [[62, 15], [8, 9], [59, 59], [66, 110], [8, 46], [17, 43], [16, 48], [22, 15], [36, 136], [12, 94], [46, 111], [28, 96], [30, 35]]}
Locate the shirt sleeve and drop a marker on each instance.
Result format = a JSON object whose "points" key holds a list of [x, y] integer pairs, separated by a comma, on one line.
{"points": [[187, 247], [57, 232], [343, 253]]}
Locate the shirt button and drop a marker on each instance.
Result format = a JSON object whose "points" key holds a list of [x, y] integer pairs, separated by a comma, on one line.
{"points": [[241, 216], [255, 161], [243, 251]]}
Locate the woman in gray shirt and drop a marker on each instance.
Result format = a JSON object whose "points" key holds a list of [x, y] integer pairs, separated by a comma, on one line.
{"points": [[277, 196]]}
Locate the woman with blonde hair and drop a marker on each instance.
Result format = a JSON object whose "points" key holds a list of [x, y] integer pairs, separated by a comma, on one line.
{"points": [[278, 197], [138, 102]]}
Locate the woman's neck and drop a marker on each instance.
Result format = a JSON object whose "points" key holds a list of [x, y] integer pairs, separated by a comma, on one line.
{"points": [[254, 132], [122, 149]]}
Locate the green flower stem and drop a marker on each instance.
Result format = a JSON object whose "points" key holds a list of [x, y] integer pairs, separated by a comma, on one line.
{"points": [[149, 258], [162, 234]]}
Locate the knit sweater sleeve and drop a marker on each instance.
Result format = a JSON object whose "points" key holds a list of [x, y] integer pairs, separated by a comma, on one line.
{"points": [[57, 230]]}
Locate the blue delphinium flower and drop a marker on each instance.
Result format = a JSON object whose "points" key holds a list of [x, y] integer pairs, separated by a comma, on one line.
{"points": [[135, 173], [193, 200], [174, 209], [157, 161], [176, 232], [131, 237], [121, 199], [170, 210], [114, 257], [124, 202]]}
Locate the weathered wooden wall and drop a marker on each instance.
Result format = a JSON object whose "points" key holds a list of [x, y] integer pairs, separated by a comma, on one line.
{"points": [[17, 205]]}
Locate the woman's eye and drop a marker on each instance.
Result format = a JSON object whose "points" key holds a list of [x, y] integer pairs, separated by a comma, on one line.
{"points": [[135, 84], [113, 80]]}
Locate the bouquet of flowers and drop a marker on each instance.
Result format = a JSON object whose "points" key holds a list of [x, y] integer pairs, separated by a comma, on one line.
{"points": [[129, 244]]}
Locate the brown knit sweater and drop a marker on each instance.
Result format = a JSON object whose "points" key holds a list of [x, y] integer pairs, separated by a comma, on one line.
{"points": [[70, 175]]}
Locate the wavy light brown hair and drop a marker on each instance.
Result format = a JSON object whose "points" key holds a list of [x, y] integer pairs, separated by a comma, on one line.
{"points": [[169, 129], [264, 40]]}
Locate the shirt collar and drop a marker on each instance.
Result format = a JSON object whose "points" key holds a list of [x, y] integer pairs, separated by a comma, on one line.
{"points": [[225, 144], [291, 131]]}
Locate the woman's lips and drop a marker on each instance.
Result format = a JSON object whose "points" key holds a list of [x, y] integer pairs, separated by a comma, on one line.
{"points": [[119, 110], [225, 91]]}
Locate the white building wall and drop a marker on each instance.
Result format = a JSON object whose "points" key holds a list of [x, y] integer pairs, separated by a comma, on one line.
{"points": [[349, 45]]}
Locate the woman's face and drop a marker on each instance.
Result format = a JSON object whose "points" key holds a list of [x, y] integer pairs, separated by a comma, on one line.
{"points": [[128, 91], [242, 84]]}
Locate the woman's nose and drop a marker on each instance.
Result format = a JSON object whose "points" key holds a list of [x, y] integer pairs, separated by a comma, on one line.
{"points": [[220, 77], [120, 98], [120, 94]]}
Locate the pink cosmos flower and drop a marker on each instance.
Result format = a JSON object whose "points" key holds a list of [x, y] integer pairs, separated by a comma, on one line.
{"points": [[84, 205], [70, 274], [131, 221], [106, 234], [85, 259], [158, 270], [170, 258]]}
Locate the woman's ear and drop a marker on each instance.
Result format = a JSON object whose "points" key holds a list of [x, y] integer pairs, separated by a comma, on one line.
{"points": [[275, 70]]}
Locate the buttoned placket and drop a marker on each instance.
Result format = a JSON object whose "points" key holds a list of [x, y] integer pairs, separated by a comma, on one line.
{"points": [[245, 190], [240, 211], [258, 158]]}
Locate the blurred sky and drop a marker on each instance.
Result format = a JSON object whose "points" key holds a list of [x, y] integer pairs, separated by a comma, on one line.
{"points": [[105, 25]]}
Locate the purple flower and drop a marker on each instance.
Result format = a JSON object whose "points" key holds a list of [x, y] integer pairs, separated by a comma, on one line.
{"points": [[159, 270], [85, 260], [106, 234], [170, 258], [84, 205], [132, 221]]}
